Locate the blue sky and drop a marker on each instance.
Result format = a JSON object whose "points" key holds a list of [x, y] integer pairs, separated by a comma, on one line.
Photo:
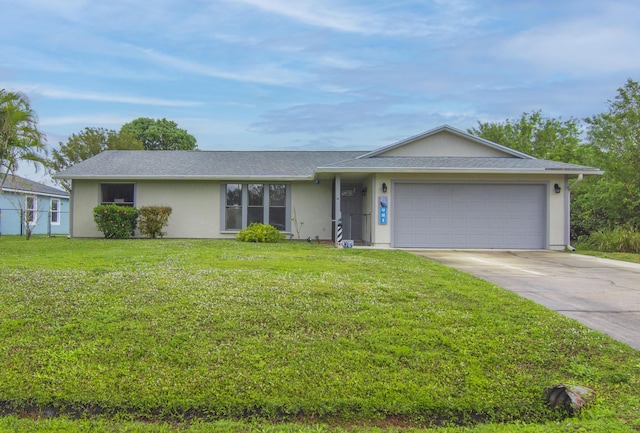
{"points": [[314, 74]]}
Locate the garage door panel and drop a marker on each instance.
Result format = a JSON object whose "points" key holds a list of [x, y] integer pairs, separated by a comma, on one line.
{"points": [[469, 215]]}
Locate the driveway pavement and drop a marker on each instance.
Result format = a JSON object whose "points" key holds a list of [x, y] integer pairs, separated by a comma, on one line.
{"points": [[602, 294]]}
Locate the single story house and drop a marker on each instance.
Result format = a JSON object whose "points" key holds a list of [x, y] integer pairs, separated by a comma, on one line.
{"points": [[44, 208], [444, 188]]}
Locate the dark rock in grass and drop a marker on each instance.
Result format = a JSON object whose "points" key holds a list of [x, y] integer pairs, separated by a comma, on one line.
{"points": [[49, 412], [571, 398]]}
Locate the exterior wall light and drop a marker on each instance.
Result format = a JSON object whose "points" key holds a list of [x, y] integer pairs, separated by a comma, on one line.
{"points": [[384, 187], [557, 188], [364, 191]]}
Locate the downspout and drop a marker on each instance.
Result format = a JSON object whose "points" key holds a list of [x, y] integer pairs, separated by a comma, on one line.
{"points": [[337, 217], [568, 210], [71, 208], [578, 180]]}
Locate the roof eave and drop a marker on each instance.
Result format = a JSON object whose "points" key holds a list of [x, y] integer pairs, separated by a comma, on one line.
{"points": [[28, 192], [414, 170], [185, 177]]}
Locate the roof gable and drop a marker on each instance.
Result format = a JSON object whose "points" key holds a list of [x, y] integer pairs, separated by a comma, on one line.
{"points": [[446, 141]]}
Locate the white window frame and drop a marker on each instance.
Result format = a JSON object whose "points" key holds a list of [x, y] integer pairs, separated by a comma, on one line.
{"points": [[245, 204], [55, 211], [31, 210]]}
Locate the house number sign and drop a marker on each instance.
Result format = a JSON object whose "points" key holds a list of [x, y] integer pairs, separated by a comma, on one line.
{"points": [[383, 204]]}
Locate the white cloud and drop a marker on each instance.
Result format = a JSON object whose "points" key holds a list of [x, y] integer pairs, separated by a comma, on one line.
{"points": [[103, 120], [438, 19], [315, 14], [57, 93], [605, 42], [338, 62], [261, 74]]}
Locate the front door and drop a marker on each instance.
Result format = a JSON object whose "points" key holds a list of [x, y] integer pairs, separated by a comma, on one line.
{"points": [[351, 208]]}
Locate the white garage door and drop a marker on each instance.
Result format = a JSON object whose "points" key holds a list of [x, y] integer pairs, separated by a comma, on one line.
{"points": [[438, 215]]}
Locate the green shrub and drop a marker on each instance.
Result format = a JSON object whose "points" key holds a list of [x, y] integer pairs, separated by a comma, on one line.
{"points": [[258, 232], [116, 222], [620, 239], [153, 219]]}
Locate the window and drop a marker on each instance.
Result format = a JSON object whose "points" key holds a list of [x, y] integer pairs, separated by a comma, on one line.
{"points": [[31, 210], [255, 203], [278, 206], [117, 193], [255, 211], [55, 212], [233, 208]]}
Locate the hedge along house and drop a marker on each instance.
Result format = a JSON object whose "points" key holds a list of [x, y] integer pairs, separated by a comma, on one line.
{"points": [[43, 208], [441, 189]]}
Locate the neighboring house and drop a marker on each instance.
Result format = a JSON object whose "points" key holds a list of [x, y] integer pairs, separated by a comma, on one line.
{"points": [[44, 208], [441, 189]]}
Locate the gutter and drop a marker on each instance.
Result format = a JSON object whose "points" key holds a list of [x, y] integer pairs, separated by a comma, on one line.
{"points": [[414, 170], [579, 179], [185, 177]]}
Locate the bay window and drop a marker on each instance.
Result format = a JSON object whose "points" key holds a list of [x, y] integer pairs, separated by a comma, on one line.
{"points": [[255, 203]]}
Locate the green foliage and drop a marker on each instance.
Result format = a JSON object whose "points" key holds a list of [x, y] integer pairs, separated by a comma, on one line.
{"points": [[258, 232], [160, 134], [87, 143], [115, 222], [623, 239], [153, 219], [20, 138], [616, 134], [537, 135]]}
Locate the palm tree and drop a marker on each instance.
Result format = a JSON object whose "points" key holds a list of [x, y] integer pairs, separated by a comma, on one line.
{"points": [[20, 139]]}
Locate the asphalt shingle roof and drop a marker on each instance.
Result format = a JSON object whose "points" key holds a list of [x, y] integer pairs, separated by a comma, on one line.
{"points": [[204, 164], [17, 183], [284, 165], [454, 163]]}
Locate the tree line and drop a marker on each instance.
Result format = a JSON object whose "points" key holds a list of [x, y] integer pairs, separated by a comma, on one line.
{"points": [[609, 141], [140, 134], [22, 141]]}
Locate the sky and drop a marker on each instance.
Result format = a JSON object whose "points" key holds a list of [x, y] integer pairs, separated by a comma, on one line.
{"points": [[314, 74]]}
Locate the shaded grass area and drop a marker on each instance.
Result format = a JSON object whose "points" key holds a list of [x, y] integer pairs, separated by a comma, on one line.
{"points": [[625, 257], [184, 334]]}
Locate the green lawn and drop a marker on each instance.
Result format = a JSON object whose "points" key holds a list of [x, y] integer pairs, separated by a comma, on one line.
{"points": [[625, 257], [201, 335]]}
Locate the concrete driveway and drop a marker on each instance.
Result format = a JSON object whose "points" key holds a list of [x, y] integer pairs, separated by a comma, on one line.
{"points": [[602, 294]]}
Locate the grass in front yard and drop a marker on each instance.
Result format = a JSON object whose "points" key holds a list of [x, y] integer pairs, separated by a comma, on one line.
{"points": [[191, 331]]}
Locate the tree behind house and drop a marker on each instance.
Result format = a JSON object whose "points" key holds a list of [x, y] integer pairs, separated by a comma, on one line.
{"points": [[160, 134], [87, 143]]}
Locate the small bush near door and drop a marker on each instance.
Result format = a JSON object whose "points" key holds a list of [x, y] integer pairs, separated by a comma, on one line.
{"points": [[258, 232], [116, 222], [153, 219]]}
